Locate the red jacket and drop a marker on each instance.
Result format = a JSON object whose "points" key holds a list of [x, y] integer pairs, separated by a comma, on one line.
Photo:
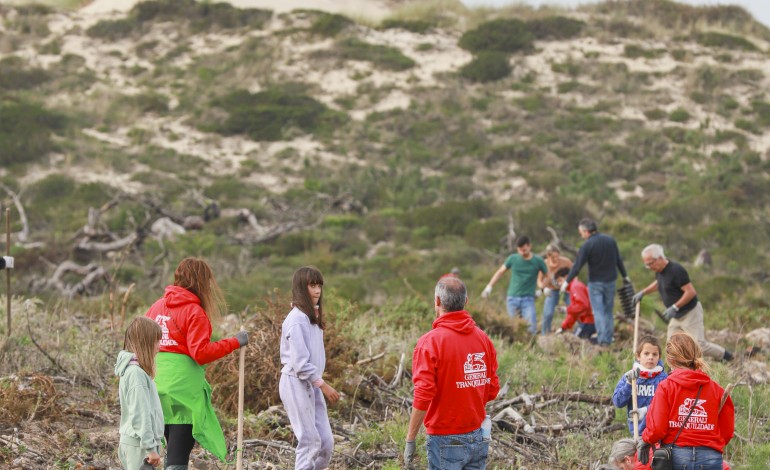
{"points": [[186, 328], [579, 305], [454, 370], [673, 398]]}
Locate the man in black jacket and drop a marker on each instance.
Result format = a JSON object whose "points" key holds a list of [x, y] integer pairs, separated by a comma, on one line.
{"points": [[601, 253]]}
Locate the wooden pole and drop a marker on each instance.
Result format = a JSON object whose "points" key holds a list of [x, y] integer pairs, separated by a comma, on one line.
{"points": [[8, 271], [241, 380], [633, 381]]}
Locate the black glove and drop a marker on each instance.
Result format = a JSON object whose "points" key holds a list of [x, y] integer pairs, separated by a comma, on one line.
{"points": [[670, 312], [242, 337], [637, 297], [642, 452]]}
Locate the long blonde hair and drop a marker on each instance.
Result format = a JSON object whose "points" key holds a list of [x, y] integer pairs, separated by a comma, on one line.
{"points": [[142, 336], [196, 276], [683, 352]]}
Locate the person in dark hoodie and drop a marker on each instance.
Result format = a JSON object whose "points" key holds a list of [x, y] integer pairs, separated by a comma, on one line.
{"points": [[184, 314], [454, 370], [141, 416], [689, 390], [649, 373]]}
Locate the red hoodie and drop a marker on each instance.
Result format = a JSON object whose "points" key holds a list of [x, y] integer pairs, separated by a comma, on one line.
{"points": [[454, 370], [186, 328], [673, 398], [579, 306]]}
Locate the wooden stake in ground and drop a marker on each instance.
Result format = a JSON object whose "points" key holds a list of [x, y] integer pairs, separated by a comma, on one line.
{"points": [[633, 381], [8, 271], [241, 380]]}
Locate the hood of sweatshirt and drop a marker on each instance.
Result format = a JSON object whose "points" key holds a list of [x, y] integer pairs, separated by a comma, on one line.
{"points": [[459, 321], [124, 359], [176, 296], [689, 379]]}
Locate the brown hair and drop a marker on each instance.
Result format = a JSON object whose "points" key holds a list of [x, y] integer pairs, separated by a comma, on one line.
{"points": [[142, 336], [300, 297], [648, 339], [196, 276], [683, 352]]}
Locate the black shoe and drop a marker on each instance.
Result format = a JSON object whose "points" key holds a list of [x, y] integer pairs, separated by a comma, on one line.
{"points": [[728, 356]]}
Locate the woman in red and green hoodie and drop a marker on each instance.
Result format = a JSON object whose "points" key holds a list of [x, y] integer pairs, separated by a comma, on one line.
{"points": [[184, 314], [688, 388]]}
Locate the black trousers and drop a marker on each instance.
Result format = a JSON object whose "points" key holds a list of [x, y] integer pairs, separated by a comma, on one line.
{"points": [[179, 442]]}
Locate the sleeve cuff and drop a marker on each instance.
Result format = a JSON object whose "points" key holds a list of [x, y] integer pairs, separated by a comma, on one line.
{"points": [[318, 382]]}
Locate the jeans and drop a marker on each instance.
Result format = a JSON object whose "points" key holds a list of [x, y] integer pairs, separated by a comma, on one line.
{"points": [[525, 305], [457, 451], [602, 296], [549, 306], [697, 458]]}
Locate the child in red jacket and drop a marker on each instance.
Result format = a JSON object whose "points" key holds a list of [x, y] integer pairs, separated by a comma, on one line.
{"points": [[579, 308]]}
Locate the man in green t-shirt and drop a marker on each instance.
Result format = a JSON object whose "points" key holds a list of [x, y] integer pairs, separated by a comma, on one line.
{"points": [[524, 267]]}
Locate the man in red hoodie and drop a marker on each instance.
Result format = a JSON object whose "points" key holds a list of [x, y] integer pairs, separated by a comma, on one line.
{"points": [[579, 308], [454, 370]]}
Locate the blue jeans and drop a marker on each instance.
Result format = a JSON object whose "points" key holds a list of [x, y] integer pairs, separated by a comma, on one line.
{"points": [[697, 458], [602, 296], [549, 306], [457, 451], [526, 306]]}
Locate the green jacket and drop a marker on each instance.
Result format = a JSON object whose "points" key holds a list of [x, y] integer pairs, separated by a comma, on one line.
{"points": [[185, 396], [141, 417]]}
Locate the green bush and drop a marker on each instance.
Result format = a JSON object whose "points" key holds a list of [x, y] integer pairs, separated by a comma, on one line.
{"points": [[385, 57], [727, 41], [748, 126], [567, 87], [634, 51], [584, 122], [679, 115], [330, 24], [15, 75], [655, 114], [150, 102], [25, 131], [486, 233], [112, 29], [503, 35], [487, 66], [415, 26], [555, 27], [268, 115], [762, 110]]}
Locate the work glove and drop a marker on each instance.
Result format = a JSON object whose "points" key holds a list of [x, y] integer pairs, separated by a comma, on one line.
{"points": [[242, 337], [487, 290], [670, 312], [637, 297], [631, 375], [558, 331], [547, 291], [409, 453], [7, 262], [641, 412], [563, 287], [642, 452], [538, 293], [627, 280]]}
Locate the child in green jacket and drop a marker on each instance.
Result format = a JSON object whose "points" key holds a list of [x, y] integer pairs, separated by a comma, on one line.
{"points": [[141, 416]]}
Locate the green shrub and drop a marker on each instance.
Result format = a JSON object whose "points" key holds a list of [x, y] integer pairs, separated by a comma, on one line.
{"points": [[51, 187], [679, 115], [267, 115], [486, 233], [415, 26], [25, 131], [503, 35], [762, 110], [568, 68], [583, 122], [655, 114], [634, 51], [727, 135], [330, 24], [727, 41], [150, 102], [555, 27], [385, 57], [567, 87], [748, 126], [112, 29], [15, 75], [487, 66], [451, 218]]}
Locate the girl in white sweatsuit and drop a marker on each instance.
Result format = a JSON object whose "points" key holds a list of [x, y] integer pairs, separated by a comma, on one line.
{"points": [[303, 358]]}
